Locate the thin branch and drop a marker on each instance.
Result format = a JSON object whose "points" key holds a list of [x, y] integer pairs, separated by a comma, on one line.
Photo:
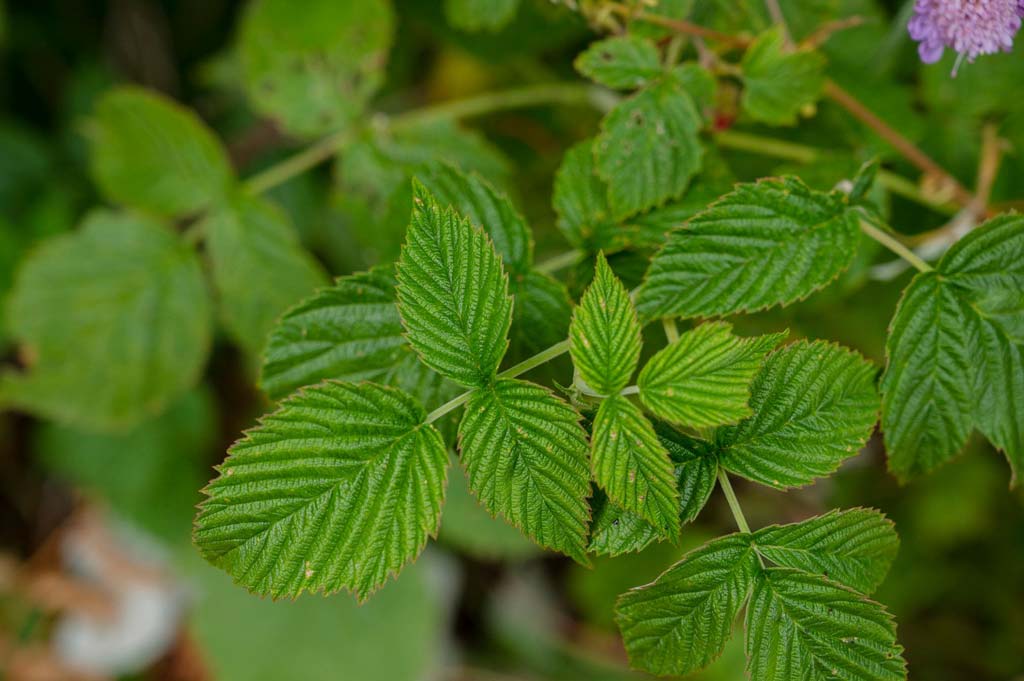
{"points": [[680, 26]]}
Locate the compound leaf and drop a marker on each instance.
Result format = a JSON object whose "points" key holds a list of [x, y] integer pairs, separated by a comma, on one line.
{"points": [[681, 622], [604, 335], [703, 379], [620, 62], [769, 243], [801, 627], [854, 548], [814, 404], [778, 83], [337, 489], [526, 455], [632, 465], [453, 294]]}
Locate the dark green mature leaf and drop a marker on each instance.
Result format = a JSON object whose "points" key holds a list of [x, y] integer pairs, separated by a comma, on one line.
{"points": [[615, 531], [337, 489], [703, 379], [350, 332], [768, 243], [801, 627], [114, 320], [151, 153], [621, 62], [956, 353], [682, 621], [632, 466], [480, 15], [581, 201], [854, 548], [605, 334], [649, 148], [542, 312], [314, 70], [453, 294], [777, 82], [814, 404], [259, 267], [526, 456]]}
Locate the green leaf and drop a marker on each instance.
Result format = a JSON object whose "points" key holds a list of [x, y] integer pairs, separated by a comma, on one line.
{"points": [[526, 456], [703, 379], [476, 199], [956, 354], [114, 321], [337, 489], [480, 15], [542, 312], [149, 152], [581, 201], [620, 62], [314, 70], [854, 548], [649, 148], [682, 621], [453, 294], [778, 82], [350, 332], [615, 531], [259, 267], [801, 627], [769, 243], [814, 404], [632, 466], [604, 335]]}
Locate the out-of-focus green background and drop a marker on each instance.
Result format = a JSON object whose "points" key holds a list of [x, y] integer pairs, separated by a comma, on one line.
{"points": [[481, 603]]}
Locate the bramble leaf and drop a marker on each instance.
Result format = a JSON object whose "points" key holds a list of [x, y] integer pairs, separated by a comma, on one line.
{"points": [[681, 622], [337, 489], [778, 83], [526, 455], [621, 62], [114, 320], [703, 379], [604, 334], [814, 405], [150, 152], [649, 148], [801, 627], [632, 465], [480, 15], [581, 201], [542, 312], [259, 267], [453, 294], [769, 243], [854, 548]]}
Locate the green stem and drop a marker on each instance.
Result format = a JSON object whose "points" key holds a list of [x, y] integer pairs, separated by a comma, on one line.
{"points": [[734, 504], [297, 164], [894, 245], [541, 357], [671, 331], [559, 262]]}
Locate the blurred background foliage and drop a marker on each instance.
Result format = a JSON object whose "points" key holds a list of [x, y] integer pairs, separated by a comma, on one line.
{"points": [[482, 603]]}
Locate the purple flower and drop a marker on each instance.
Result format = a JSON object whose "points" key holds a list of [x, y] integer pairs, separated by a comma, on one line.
{"points": [[970, 27]]}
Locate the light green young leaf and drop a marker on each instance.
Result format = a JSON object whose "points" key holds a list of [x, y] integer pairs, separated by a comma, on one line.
{"points": [[703, 379], [854, 548], [604, 335], [337, 489], [526, 455], [769, 243], [649, 148], [149, 152], [681, 622], [632, 466], [259, 267], [314, 70], [621, 62], [114, 320], [956, 354], [615, 531], [453, 294], [801, 627], [778, 83], [814, 404], [480, 15]]}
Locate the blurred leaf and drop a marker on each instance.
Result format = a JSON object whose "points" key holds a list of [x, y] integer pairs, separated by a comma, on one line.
{"points": [[620, 62], [541, 315], [581, 201], [777, 83], [480, 15]]}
